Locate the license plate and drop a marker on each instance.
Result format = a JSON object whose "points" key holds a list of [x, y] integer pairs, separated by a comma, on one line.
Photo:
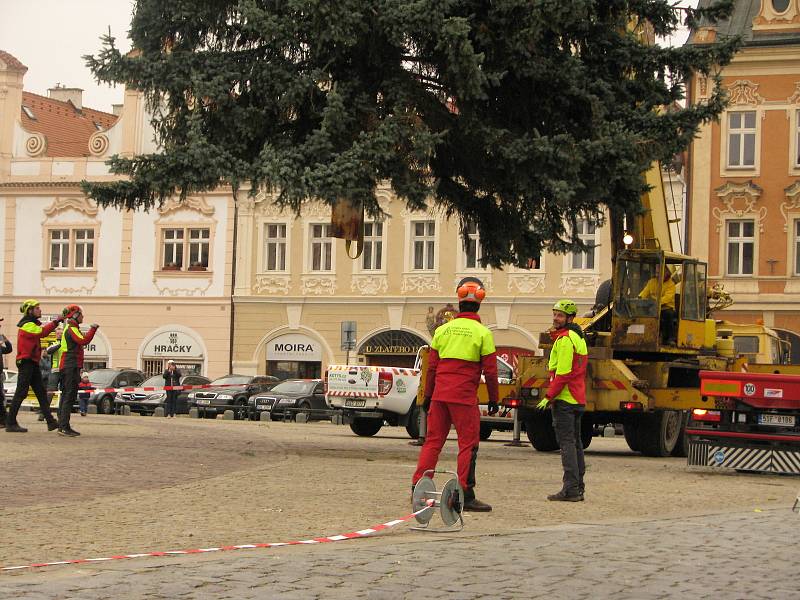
{"points": [[355, 403], [782, 420], [204, 402]]}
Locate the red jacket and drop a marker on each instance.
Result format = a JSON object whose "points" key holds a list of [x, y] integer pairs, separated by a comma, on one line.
{"points": [[456, 381], [30, 332], [72, 343]]}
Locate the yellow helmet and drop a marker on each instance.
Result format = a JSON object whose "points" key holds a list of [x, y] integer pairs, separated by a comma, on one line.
{"points": [[28, 305], [566, 306]]}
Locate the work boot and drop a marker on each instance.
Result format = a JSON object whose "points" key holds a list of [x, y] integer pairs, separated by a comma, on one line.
{"points": [[475, 505], [15, 428], [52, 424], [562, 497], [68, 432]]}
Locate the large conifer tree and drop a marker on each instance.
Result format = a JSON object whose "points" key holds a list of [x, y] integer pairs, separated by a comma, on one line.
{"points": [[517, 115]]}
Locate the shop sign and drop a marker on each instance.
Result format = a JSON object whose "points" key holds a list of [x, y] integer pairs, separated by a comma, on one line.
{"points": [[174, 344], [294, 347]]}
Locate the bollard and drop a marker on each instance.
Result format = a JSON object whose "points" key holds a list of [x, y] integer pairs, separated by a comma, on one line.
{"points": [[264, 415], [194, 413], [228, 415], [92, 409], [301, 417], [517, 430], [609, 431], [126, 410], [159, 411]]}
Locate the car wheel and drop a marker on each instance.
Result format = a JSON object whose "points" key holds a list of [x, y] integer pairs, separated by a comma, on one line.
{"points": [[366, 427], [106, 405], [240, 410]]}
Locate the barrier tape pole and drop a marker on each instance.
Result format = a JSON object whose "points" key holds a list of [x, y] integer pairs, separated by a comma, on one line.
{"points": [[162, 388], [363, 533]]}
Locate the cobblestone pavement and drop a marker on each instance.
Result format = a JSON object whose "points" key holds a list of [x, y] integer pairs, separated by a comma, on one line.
{"points": [[730, 555]]}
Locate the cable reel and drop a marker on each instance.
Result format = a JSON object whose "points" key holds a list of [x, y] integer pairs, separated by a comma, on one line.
{"points": [[450, 502]]}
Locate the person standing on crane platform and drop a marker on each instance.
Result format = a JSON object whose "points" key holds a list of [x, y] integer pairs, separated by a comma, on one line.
{"points": [[566, 397], [461, 349]]}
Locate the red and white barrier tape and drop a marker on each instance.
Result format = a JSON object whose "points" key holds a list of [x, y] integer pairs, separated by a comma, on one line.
{"points": [[320, 540], [162, 388]]}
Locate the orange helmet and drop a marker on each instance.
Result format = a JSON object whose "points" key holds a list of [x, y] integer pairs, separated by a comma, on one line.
{"points": [[470, 289], [70, 311]]}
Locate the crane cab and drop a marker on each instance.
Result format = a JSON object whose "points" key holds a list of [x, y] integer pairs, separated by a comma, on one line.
{"points": [[659, 302]]}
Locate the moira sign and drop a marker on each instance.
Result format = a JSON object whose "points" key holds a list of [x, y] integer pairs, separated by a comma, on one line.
{"points": [[294, 347]]}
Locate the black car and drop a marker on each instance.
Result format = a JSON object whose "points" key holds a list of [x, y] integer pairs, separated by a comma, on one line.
{"points": [[297, 394], [232, 394], [111, 378], [145, 403]]}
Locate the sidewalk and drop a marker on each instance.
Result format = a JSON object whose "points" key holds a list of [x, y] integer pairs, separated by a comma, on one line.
{"points": [[737, 555]]}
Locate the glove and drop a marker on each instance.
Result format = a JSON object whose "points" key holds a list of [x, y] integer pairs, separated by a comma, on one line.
{"points": [[543, 404], [426, 404], [492, 408], [59, 319]]}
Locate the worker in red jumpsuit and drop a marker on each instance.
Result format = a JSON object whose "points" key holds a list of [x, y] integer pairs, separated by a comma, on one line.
{"points": [[461, 350]]}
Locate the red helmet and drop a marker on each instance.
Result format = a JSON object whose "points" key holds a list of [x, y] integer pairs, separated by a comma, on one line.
{"points": [[70, 311]]}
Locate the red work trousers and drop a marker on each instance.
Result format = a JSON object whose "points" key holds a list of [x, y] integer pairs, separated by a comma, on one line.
{"points": [[467, 420]]}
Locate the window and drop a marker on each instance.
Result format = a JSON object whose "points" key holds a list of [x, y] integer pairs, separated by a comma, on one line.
{"points": [[372, 254], [84, 248], [186, 248], [423, 240], [275, 257], [741, 242], [71, 249], [59, 249], [797, 247], [587, 233], [797, 140], [472, 248], [321, 247], [198, 247], [742, 139]]}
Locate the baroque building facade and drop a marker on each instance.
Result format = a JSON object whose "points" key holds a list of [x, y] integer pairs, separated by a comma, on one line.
{"points": [[744, 170], [158, 283]]}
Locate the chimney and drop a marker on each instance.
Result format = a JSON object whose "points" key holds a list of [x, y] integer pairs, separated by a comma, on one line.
{"points": [[65, 94], [117, 109]]}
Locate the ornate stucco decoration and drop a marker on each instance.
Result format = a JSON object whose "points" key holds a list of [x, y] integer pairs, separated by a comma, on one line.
{"points": [[745, 195], [419, 282], [579, 283], [196, 290], [35, 145], [98, 144], [70, 291], [196, 204], [272, 284], [795, 97], [369, 285], [526, 283], [318, 284], [792, 202], [744, 92], [80, 204]]}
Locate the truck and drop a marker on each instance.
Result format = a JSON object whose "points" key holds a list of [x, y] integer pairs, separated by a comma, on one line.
{"points": [[370, 396], [750, 422]]}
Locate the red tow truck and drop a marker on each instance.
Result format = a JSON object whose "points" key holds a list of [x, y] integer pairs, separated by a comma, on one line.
{"points": [[754, 424]]}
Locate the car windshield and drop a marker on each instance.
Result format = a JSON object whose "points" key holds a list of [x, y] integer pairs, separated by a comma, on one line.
{"points": [[232, 379], [294, 386], [154, 381], [102, 377]]}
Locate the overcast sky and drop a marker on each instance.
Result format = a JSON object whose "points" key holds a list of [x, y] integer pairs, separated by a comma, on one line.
{"points": [[50, 36]]}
